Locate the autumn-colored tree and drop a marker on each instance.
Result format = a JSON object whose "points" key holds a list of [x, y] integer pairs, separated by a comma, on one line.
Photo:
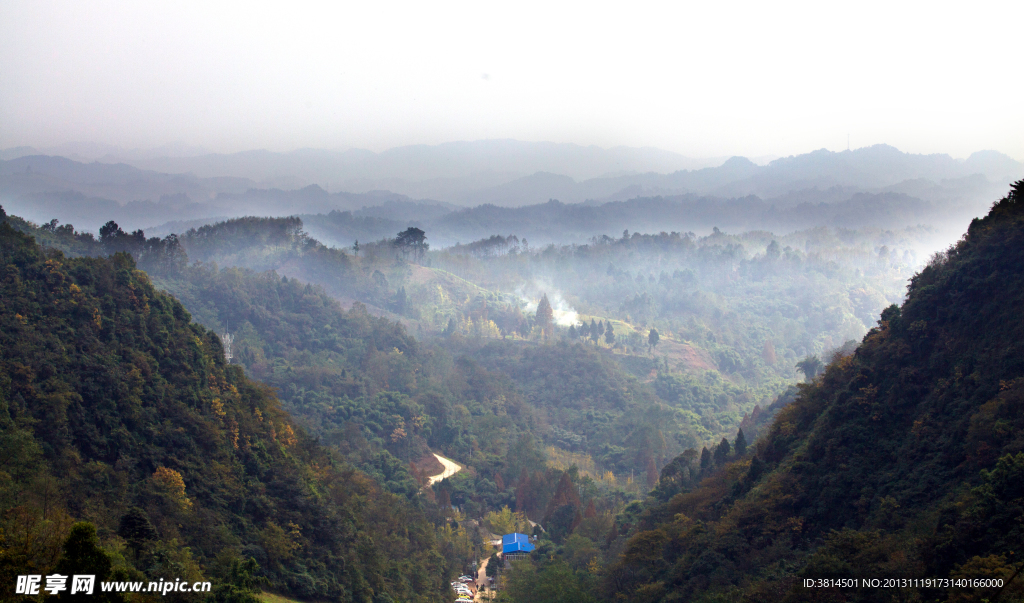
{"points": [[444, 502], [170, 483], [591, 510], [565, 494], [505, 521], [524, 493], [652, 473], [498, 481], [769, 352]]}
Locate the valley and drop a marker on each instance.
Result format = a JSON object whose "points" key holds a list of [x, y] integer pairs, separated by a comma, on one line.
{"points": [[630, 401]]}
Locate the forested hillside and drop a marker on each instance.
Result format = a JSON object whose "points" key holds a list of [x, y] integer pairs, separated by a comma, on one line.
{"points": [[736, 312], [379, 398], [734, 320], [903, 459], [116, 409], [349, 375]]}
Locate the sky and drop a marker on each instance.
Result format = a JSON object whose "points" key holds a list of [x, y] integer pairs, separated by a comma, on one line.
{"points": [[704, 79]]}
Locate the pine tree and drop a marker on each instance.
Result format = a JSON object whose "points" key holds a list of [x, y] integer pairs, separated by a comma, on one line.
{"points": [[722, 452], [705, 459], [741, 443], [83, 555], [137, 529], [653, 338], [545, 316], [492, 566], [757, 468], [609, 334]]}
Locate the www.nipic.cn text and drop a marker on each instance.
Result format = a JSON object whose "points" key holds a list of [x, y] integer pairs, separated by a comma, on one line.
{"points": [[86, 584]]}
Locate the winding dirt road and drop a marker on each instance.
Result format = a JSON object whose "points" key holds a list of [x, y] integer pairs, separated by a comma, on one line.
{"points": [[450, 469]]}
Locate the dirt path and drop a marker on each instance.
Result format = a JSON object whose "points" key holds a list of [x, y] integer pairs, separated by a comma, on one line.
{"points": [[481, 579], [450, 469]]}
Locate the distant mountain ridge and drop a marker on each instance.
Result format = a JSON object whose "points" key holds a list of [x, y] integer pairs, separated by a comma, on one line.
{"points": [[516, 173], [555, 222], [360, 170], [868, 168], [926, 188]]}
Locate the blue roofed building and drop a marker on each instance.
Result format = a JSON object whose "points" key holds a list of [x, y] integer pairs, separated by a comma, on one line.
{"points": [[515, 543]]}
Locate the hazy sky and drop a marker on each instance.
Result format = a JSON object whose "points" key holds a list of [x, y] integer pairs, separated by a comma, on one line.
{"points": [[704, 79]]}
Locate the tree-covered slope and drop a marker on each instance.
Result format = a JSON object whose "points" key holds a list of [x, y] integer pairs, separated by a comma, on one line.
{"points": [[904, 459], [117, 409]]}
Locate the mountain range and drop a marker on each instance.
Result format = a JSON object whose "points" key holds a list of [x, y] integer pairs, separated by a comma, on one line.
{"points": [[493, 174]]}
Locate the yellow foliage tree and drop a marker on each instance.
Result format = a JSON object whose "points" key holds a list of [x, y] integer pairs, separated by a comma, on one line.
{"points": [[506, 521], [170, 482], [287, 436]]}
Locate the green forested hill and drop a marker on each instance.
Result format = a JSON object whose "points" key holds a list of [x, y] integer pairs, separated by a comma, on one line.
{"points": [[347, 374], [117, 409], [904, 459], [380, 398]]}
